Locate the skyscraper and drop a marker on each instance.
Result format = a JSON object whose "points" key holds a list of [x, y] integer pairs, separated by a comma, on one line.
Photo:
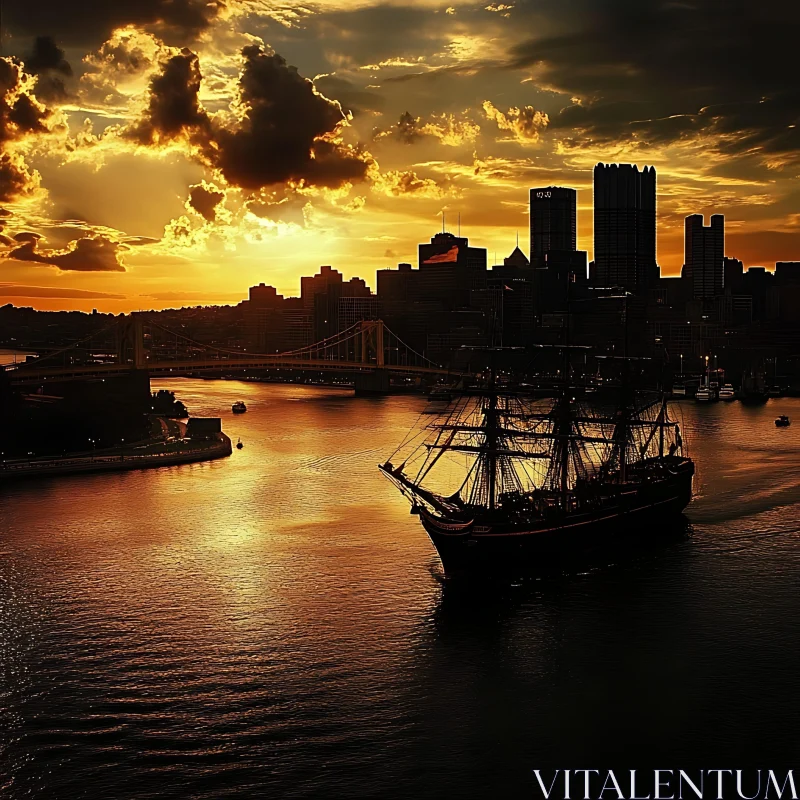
{"points": [[553, 227], [625, 226], [704, 251], [449, 268]]}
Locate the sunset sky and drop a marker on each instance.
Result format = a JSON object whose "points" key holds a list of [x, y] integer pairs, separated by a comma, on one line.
{"points": [[158, 153]]}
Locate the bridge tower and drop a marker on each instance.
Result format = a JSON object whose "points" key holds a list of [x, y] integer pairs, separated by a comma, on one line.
{"points": [[372, 342], [130, 341], [376, 381]]}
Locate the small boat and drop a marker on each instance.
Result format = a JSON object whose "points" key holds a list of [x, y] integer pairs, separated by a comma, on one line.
{"points": [[239, 445], [678, 390], [440, 394], [238, 407], [782, 421], [727, 392], [704, 395]]}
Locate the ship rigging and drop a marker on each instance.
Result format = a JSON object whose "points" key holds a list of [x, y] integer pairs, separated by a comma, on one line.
{"points": [[502, 477]]}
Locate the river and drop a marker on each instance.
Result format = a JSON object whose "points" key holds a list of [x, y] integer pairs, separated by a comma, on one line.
{"points": [[8, 356], [275, 624]]}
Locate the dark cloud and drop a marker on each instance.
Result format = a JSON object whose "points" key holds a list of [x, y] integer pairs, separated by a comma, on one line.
{"points": [[20, 113], [286, 131], [90, 254], [47, 61], [15, 178], [283, 135], [27, 236], [46, 55], [659, 71], [89, 22], [174, 107], [204, 199], [406, 130]]}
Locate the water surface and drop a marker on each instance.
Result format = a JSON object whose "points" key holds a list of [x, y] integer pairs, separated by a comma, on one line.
{"points": [[275, 624]]}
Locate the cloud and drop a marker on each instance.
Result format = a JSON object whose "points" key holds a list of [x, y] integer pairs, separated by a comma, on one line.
{"points": [[500, 8], [281, 130], [27, 236], [22, 116], [288, 131], [351, 98], [89, 254], [113, 72], [85, 24], [174, 109], [651, 72], [525, 124], [406, 129], [397, 183], [16, 290], [447, 128], [204, 199], [47, 61]]}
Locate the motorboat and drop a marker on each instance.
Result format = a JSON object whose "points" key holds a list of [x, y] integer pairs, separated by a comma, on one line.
{"points": [[727, 392], [704, 395], [782, 421], [239, 445], [679, 390], [238, 407]]}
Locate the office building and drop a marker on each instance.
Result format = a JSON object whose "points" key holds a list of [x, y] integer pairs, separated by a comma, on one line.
{"points": [[704, 251], [732, 275], [553, 211], [450, 269], [625, 227]]}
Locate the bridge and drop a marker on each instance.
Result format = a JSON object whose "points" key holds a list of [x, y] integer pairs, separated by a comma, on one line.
{"points": [[367, 351]]}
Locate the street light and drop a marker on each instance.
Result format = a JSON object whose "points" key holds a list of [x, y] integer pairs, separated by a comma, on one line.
{"points": [[681, 363]]}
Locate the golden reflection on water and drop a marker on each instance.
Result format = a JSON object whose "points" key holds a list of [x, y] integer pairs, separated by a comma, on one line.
{"points": [[281, 608]]}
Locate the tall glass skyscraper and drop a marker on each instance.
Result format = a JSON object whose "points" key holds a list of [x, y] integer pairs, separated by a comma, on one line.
{"points": [[625, 226], [553, 227]]}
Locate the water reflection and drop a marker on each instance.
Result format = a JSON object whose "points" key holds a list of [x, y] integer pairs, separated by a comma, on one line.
{"points": [[277, 622]]}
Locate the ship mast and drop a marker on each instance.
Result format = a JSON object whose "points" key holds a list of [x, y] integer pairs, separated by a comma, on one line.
{"points": [[491, 439], [564, 427], [564, 409]]}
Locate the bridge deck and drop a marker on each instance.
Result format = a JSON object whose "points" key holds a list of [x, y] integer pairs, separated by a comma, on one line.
{"points": [[24, 374]]}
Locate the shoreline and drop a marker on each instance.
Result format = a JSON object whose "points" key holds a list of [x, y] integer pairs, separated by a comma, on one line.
{"points": [[211, 450]]}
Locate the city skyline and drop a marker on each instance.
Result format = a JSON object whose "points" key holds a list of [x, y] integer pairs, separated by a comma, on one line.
{"points": [[162, 155]]}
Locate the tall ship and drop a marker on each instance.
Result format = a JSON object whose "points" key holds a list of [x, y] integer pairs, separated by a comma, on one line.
{"points": [[504, 480]]}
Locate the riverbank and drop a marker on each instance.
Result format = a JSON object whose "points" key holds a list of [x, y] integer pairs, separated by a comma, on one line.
{"points": [[154, 454]]}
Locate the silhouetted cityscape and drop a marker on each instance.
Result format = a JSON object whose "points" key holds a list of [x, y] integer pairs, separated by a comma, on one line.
{"points": [[743, 320], [453, 298]]}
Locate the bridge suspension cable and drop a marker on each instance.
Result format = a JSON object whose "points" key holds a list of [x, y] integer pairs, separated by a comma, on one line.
{"points": [[70, 347]]}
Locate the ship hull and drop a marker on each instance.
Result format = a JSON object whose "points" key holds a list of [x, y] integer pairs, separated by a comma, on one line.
{"points": [[481, 547]]}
